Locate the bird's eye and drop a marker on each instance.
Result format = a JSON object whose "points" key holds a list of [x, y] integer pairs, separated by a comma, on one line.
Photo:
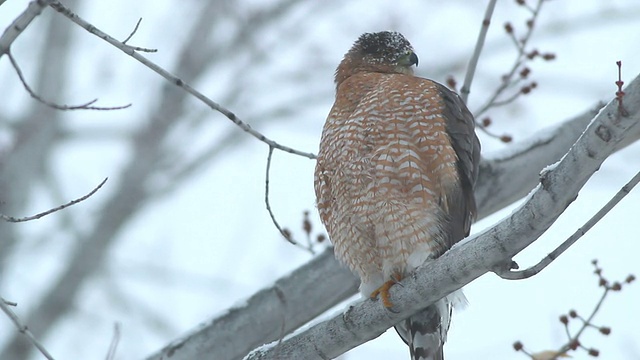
{"points": [[409, 58]]}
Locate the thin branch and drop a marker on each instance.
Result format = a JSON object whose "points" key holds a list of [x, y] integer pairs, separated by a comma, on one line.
{"points": [[520, 59], [483, 125], [508, 100], [113, 346], [471, 69], [50, 211], [137, 48], [527, 273], [285, 234], [85, 106], [135, 29], [620, 93], [573, 341], [4, 305], [66, 219], [131, 51]]}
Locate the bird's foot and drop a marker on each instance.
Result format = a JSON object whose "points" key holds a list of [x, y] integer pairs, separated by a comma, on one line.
{"points": [[383, 292]]}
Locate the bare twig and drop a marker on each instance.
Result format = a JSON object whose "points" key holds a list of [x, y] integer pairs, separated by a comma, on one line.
{"points": [[573, 341], [4, 305], [135, 29], [85, 106], [137, 48], [113, 346], [523, 274], [131, 51], [307, 227], [521, 45], [620, 93], [286, 234], [312, 240], [471, 69], [50, 211]]}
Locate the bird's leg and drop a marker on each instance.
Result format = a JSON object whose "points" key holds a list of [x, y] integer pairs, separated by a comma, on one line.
{"points": [[383, 291]]}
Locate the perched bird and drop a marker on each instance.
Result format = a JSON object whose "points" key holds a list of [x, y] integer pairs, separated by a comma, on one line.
{"points": [[395, 175]]}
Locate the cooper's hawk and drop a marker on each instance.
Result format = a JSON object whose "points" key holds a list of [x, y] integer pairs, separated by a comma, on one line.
{"points": [[395, 175]]}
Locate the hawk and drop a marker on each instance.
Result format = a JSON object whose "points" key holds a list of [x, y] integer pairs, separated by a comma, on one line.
{"points": [[395, 175]]}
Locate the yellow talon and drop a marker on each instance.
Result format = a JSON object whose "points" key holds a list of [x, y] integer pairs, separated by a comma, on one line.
{"points": [[383, 291]]}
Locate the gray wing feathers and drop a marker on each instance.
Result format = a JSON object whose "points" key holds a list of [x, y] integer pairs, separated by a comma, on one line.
{"points": [[461, 129]]}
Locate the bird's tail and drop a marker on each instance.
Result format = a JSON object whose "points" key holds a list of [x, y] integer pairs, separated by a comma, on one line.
{"points": [[426, 331]]}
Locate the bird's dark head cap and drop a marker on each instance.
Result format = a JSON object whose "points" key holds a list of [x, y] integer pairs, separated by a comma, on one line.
{"points": [[385, 52], [387, 47]]}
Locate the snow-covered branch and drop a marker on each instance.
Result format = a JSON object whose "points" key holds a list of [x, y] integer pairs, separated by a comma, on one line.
{"points": [[558, 187], [303, 295]]}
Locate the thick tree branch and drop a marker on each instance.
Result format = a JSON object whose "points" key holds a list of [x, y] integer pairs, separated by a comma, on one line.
{"points": [[514, 171], [557, 189]]}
